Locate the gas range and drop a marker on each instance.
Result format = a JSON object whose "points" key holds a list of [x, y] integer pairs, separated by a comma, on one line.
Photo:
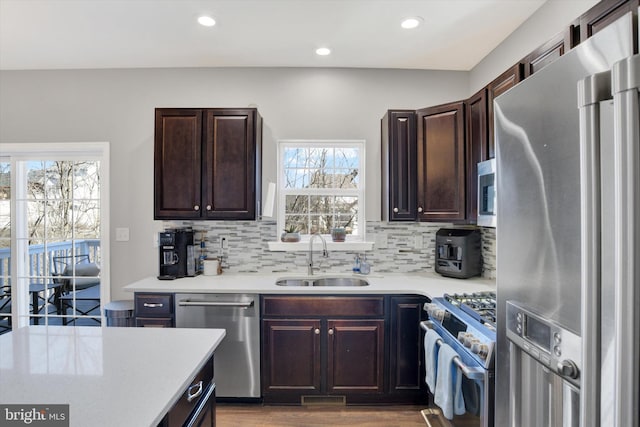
{"points": [[467, 323], [480, 305]]}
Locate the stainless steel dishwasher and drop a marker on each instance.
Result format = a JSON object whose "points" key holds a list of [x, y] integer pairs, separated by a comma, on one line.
{"points": [[237, 358]]}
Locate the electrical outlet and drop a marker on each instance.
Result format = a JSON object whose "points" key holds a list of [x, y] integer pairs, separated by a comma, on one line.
{"points": [[381, 241], [224, 242], [418, 241]]}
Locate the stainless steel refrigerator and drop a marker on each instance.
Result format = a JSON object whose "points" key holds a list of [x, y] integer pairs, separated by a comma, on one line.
{"points": [[568, 233]]}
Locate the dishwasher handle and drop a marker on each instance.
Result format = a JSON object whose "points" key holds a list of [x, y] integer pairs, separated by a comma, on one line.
{"points": [[203, 303]]}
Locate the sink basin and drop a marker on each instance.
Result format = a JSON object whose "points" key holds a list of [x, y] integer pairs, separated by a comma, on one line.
{"points": [[340, 281], [323, 281], [294, 282]]}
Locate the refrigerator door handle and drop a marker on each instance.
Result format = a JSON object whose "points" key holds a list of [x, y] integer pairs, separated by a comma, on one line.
{"points": [[515, 386], [625, 82], [591, 91]]}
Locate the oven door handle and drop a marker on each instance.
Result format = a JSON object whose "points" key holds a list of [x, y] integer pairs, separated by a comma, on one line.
{"points": [[469, 372]]}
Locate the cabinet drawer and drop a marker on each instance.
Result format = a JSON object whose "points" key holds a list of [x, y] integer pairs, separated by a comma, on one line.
{"points": [[154, 305], [322, 306], [191, 396], [154, 322]]}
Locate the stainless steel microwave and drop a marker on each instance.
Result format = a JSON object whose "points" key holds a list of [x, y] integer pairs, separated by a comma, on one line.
{"points": [[487, 196]]}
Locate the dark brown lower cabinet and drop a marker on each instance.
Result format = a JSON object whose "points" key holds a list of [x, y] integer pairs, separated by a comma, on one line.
{"points": [[196, 406], [337, 348], [355, 356], [406, 358], [291, 354]]}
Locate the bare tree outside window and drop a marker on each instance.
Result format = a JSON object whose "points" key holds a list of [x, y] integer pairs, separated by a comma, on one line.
{"points": [[322, 188], [63, 200]]}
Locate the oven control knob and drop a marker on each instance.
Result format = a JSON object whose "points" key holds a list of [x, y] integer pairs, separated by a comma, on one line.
{"points": [[568, 368], [483, 351], [469, 340]]}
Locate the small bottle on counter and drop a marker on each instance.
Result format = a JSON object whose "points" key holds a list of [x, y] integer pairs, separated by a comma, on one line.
{"points": [[356, 264], [203, 255]]}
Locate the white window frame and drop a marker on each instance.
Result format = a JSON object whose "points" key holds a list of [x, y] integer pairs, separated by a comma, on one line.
{"points": [[353, 242], [20, 152]]}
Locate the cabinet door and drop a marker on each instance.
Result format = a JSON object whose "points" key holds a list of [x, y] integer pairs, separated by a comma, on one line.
{"points": [[441, 163], [291, 356], [476, 142], [603, 14], [504, 82], [177, 162], [406, 364], [399, 179], [355, 356], [548, 52], [229, 163]]}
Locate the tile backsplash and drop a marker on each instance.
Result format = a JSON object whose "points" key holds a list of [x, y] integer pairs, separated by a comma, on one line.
{"points": [[248, 251]]}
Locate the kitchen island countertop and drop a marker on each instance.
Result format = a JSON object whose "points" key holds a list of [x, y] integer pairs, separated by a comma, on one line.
{"points": [[108, 376], [427, 284]]}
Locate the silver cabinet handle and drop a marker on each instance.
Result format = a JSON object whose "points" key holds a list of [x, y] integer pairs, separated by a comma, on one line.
{"points": [[208, 207], [316, 331], [196, 208], [193, 394], [420, 209], [153, 305], [395, 210], [196, 303], [330, 331]]}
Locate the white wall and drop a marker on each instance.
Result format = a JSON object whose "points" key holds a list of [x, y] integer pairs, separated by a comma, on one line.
{"points": [[118, 106], [552, 17]]}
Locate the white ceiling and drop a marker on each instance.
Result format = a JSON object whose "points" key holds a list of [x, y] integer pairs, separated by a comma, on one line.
{"points": [[69, 34]]}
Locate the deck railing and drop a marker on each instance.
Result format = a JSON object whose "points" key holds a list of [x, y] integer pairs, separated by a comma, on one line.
{"points": [[41, 257]]}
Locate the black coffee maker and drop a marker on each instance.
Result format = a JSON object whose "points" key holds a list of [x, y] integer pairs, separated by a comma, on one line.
{"points": [[176, 254], [459, 252]]}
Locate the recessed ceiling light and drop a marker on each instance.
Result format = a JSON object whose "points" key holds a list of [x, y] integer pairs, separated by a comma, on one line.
{"points": [[323, 51], [207, 21], [412, 22]]}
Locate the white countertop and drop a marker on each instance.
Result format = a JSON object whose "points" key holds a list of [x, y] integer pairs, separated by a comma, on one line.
{"points": [[428, 284], [108, 376]]}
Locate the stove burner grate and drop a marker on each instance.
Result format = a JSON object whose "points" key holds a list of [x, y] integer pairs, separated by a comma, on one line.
{"points": [[480, 305]]}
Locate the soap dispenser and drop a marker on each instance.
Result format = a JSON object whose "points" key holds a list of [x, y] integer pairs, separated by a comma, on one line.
{"points": [[365, 268]]}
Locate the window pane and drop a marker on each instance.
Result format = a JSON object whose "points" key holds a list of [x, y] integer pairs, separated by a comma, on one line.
{"points": [[86, 216], [297, 204], [36, 180], [322, 205], [297, 178], [86, 182], [347, 158]]}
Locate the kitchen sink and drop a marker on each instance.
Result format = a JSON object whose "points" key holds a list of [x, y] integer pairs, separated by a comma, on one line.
{"points": [[323, 281], [340, 281], [294, 282]]}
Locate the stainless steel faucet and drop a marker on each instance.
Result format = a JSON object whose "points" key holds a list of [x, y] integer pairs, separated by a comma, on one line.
{"points": [[325, 253]]}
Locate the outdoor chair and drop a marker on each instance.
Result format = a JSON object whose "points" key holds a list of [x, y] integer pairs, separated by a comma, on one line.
{"points": [[81, 283]]}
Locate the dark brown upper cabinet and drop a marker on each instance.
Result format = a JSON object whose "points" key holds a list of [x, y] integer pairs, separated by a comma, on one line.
{"points": [[441, 163], [477, 139], [399, 178], [207, 163], [553, 49], [603, 14], [500, 85]]}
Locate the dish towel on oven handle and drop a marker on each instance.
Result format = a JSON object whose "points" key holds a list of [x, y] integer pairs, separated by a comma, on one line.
{"points": [[431, 358], [448, 395]]}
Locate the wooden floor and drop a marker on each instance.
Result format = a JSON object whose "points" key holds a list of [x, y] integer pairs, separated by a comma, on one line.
{"points": [[237, 415]]}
